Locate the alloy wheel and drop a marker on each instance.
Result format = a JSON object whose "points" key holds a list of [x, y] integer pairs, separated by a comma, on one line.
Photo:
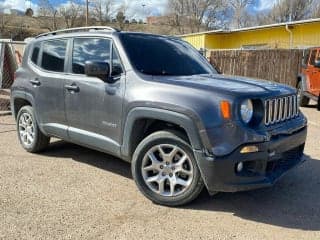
{"points": [[167, 170], [26, 129]]}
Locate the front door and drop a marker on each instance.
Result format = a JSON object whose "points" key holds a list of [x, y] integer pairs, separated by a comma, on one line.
{"points": [[94, 107]]}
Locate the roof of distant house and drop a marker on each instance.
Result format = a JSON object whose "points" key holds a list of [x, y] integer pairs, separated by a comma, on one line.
{"points": [[255, 27]]}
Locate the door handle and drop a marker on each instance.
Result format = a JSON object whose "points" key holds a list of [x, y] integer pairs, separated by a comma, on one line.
{"points": [[35, 82], [72, 88]]}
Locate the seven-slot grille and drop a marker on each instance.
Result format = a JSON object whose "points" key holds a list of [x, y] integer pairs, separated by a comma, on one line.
{"points": [[280, 109]]}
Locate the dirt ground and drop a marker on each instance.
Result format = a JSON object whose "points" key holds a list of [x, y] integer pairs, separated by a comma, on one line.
{"points": [[69, 192]]}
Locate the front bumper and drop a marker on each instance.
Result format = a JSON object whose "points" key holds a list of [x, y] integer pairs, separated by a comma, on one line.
{"points": [[261, 169]]}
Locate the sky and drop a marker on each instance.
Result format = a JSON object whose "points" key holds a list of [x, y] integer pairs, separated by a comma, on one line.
{"points": [[136, 10]]}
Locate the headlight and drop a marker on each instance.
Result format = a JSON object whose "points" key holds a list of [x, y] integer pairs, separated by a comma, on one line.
{"points": [[246, 110]]}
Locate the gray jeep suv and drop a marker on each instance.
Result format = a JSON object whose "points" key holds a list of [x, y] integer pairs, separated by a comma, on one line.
{"points": [[157, 103]]}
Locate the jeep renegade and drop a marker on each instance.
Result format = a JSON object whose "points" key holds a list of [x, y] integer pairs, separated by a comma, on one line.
{"points": [[157, 103]]}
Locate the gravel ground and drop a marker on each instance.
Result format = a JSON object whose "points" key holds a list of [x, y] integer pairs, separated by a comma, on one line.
{"points": [[69, 192]]}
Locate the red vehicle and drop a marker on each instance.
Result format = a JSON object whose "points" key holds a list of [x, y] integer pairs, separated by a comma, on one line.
{"points": [[308, 83]]}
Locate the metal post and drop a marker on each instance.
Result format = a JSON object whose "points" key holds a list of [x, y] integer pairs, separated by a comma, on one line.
{"points": [[87, 12]]}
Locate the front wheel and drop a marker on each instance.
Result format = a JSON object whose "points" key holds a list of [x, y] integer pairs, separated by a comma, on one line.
{"points": [[302, 100], [165, 170], [30, 136]]}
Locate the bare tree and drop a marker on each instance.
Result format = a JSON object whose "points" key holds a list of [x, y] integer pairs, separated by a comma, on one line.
{"points": [[71, 12], [46, 12], [291, 10], [45, 8], [178, 9], [193, 14], [29, 12], [240, 14], [4, 22], [316, 9], [121, 19], [103, 10]]}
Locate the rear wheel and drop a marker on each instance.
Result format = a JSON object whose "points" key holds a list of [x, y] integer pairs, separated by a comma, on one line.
{"points": [[30, 136], [302, 100], [165, 170]]}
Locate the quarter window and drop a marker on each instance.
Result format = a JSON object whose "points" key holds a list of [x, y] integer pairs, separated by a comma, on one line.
{"points": [[116, 63], [35, 54], [89, 49], [53, 55]]}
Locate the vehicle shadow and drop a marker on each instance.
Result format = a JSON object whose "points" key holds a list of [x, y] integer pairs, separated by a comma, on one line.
{"points": [[84, 155], [294, 202]]}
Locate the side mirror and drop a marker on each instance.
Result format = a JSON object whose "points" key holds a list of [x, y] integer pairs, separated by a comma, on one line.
{"points": [[97, 69], [317, 63]]}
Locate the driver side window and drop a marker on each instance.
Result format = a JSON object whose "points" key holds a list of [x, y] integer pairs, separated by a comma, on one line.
{"points": [[89, 49]]}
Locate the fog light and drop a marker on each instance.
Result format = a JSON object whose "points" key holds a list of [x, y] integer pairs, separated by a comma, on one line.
{"points": [[249, 149], [240, 167]]}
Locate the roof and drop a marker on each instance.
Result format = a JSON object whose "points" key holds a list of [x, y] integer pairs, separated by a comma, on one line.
{"points": [[255, 28]]}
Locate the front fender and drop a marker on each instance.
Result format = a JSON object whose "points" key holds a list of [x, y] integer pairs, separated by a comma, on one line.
{"points": [[182, 120]]}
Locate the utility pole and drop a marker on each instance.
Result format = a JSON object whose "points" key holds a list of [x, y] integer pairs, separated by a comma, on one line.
{"points": [[87, 12], [144, 12]]}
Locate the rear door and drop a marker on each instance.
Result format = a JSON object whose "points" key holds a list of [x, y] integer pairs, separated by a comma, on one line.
{"points": [[94, 107], [48, 81]]}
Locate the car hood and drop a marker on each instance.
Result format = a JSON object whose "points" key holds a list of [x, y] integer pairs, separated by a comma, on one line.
{"points": [[231, 85]]}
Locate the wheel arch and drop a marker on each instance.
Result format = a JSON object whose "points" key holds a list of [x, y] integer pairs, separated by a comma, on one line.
{"points": [[143, 121], [19, 100]]}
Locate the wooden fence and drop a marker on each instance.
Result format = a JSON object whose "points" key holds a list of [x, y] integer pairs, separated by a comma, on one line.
{"points": [[277, 65]]}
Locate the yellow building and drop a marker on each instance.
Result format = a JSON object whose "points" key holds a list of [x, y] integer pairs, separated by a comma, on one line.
{"points": [[299, 34]]}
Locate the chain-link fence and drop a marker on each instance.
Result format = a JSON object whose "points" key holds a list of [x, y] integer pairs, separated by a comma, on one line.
{"points": [[11, 53]]}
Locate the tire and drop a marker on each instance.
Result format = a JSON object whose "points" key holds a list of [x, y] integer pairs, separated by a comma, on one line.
{"points": [[173, 164], [29, 134], [302, 100]]}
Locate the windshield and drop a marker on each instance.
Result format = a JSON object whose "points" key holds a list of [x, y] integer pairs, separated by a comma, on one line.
{"points": [[158, 55]]}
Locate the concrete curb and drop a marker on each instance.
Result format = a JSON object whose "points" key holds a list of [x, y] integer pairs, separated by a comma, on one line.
{"points": [[5, 113]]}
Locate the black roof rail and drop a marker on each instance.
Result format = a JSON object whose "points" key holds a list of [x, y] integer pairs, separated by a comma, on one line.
{"points": [[79, 29]]}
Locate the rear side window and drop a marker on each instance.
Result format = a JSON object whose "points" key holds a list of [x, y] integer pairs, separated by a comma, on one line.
{"points": [[89, 49], [54, 55], [35, 54]]}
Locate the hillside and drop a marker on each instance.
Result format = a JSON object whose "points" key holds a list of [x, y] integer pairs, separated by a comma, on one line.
{"points": [[21, 27]]}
